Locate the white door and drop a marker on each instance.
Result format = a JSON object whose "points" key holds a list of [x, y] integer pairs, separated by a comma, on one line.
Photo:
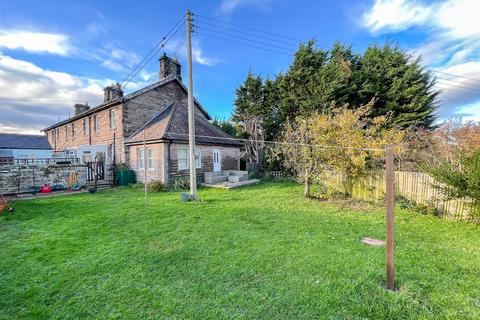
{"points": [[217, 160]]}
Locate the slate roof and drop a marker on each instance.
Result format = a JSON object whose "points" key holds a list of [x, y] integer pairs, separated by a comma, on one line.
{"points": [[126, 98], [6, 153], [23, 141], [172, 124]]}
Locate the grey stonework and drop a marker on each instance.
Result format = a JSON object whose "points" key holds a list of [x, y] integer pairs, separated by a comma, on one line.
{"points": [[19, 179]]}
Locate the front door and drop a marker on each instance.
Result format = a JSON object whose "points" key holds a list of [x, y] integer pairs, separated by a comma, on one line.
{"points": [[217, 160]]}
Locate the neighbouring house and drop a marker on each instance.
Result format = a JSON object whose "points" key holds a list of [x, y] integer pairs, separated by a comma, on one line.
{"points": [[114, 130], [23, 146]]}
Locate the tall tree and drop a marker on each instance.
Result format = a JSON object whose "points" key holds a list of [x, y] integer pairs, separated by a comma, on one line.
{"points": [[248, 114], [402, 87]]}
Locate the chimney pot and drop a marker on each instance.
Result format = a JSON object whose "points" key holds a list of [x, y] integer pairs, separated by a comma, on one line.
{"points": [[169, 67], [80, 108], [112, 92]]}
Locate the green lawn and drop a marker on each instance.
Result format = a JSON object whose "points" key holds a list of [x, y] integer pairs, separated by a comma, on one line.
{"points": [[261, 252]]}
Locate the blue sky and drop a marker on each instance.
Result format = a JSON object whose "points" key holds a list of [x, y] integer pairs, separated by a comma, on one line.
{"points": [[56, 53]]}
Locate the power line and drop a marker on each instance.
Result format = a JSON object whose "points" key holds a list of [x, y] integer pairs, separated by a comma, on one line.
{"points": [[243, 43], [282, 143], [153, 49], [175, 52], [455, 75], [459, 88], [249, 28], [247, 39], [209, 20], [295, 43], [38, 100], [152, 53]]}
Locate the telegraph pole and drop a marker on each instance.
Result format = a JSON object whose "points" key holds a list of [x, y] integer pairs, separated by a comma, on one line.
{"points": [[191, 112]]}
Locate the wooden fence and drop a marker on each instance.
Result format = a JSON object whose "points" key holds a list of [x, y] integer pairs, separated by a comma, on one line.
{"points": [[417, 187]]}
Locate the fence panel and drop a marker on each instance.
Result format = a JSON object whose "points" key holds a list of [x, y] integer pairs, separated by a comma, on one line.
{"points": [[417, 187]]}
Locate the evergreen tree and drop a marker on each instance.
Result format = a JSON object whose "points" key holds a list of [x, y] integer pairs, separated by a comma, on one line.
{"points": [[226, 125], [403, 89], [248, 115]]}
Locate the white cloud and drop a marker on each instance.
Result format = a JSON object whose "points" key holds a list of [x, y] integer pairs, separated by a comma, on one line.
{"points": [[452, 46], [395, 15], [32, 98], [114, 66], [115, 58], [198, 54], [228, 6], [459, 86], [37, 42], [459, 18], [456, 18]]}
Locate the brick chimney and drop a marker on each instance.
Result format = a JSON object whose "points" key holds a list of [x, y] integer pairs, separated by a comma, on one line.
{"points": [[169, 67], [80, 108], [112, 92]]}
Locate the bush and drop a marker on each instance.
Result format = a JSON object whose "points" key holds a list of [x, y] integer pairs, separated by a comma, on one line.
{"points": [[404, 203], [155, 186], [459, 179], [179, 184]]}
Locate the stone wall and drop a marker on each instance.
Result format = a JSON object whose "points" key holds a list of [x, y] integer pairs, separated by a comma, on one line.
{"points": [[19, 179]]}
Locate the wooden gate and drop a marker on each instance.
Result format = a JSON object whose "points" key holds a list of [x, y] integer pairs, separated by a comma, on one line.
{"points": [[100, 171]]}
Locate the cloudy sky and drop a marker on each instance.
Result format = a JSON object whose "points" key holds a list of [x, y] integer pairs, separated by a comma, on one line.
{"points": [[57, 53]]}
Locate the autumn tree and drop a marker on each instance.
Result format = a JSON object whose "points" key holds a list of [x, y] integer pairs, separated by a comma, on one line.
{"points": [[345, 140]]}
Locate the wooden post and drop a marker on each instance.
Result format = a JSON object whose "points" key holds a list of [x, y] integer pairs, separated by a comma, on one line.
{"points": [[95, 165], [390, 218], [191, 107]]}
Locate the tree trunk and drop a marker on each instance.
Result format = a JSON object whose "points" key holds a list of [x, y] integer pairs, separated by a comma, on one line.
{"points": [[306, 191]]}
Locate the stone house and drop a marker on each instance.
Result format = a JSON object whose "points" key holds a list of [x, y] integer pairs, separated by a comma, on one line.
{"points": [[23, 146], [113, 130]]}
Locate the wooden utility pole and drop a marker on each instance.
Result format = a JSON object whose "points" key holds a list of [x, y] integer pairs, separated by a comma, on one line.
{"points": [[191, 112], [390, 218]]}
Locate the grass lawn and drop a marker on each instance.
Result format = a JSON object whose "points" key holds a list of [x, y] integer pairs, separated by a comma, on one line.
{"points": [[260, 252]]}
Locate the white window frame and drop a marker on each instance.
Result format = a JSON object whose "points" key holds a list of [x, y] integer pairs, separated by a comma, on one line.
{"points": [[140, 159], [96, 123], [150, 159], [198, 158], [112, 115], [182, 161], [85, 126]]}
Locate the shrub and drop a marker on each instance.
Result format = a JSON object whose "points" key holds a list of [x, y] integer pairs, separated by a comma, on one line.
{"points": [[155, 186], [179, 184], [459, 179]]}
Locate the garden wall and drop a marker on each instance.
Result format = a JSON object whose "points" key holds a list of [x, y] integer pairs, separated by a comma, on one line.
{"points": [[19, 179]]}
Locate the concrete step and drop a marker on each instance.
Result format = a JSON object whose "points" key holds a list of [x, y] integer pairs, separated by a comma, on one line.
{"points": [[217, 179]]}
